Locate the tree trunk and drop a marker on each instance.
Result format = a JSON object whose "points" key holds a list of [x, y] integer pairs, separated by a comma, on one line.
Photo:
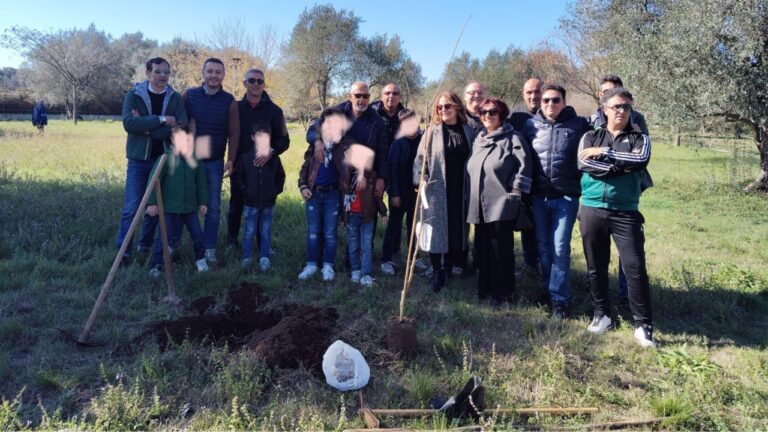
{"points": [[761, 182], [74, 104]]}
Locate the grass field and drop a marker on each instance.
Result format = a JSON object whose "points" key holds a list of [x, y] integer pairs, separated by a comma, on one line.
{"points": [[60, 199]]}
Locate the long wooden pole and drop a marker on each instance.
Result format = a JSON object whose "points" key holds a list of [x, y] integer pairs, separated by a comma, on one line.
{"points": [[518, 411], [418, 213], [83, 338]]}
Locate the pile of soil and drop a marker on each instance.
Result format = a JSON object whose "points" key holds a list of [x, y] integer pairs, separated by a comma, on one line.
{"points": [[282, 336]]}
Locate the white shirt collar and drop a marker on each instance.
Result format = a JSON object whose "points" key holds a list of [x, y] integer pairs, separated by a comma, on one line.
{"points": [[149, 87]]}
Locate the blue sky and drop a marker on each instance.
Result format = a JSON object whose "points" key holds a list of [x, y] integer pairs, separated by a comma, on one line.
{"points": [[428, 29]]}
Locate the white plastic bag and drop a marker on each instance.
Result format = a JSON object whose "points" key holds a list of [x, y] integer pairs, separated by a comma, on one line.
{"points": [[345, 368]]}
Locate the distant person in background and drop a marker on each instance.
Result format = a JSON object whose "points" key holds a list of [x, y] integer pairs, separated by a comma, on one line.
{"points": [[532, 100], [636, 119], [215, 115], [499, 173], [150, 109], [446, 145], [612, 160], [554, 133], [40, 116]]}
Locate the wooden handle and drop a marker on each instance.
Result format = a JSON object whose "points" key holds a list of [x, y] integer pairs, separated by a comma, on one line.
{"points": [[83, 338]]}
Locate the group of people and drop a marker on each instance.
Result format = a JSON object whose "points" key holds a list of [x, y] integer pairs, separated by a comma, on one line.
{"points": [[534, 170]]}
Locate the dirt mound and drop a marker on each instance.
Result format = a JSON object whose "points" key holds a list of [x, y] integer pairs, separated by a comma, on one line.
{"points": [[300, 338], [284, 336]]}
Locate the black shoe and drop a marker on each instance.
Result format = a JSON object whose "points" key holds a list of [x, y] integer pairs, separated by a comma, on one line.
{"points": [[438, 280], [560, 311]]}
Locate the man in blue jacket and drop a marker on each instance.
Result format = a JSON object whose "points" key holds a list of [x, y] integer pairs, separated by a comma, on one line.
{"points": [[215, 115], [150, 109]]}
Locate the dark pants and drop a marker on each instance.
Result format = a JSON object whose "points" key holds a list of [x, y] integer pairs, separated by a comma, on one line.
{"points": [[626, 227], [455, 257], [530, 248], [175, 222], [496, 248], [235, 212], [394, 231]]}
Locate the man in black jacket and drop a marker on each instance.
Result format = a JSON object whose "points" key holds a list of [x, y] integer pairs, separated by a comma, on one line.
{"points": [[388, 107], [257, 112]]}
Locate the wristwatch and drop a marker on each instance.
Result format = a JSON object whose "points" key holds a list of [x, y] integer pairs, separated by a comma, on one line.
{"points": [[162, 120]]}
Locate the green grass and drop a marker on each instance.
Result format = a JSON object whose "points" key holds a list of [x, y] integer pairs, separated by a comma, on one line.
{"points": [[61, 195]]}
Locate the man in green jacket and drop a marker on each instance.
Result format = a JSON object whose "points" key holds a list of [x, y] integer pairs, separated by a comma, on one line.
{"points": [[150, 109], [612, 160]]}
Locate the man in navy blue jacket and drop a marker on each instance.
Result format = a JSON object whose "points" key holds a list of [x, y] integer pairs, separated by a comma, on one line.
{"points": [[214, 113]]}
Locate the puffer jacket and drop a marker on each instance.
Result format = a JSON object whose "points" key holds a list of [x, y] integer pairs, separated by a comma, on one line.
{"points": [[392, 124], [555, 148], [260, 185]]}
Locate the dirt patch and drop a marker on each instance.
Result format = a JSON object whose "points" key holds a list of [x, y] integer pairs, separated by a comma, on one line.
{"points": [[282, 336]]}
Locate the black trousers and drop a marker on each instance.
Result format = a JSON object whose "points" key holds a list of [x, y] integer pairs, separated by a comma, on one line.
{"points": [[597, 226], [454, 257], [235, 212], [495, 244], [394, 231]]}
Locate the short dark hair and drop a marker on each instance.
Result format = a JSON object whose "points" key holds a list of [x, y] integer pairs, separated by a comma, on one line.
{"points": [[406, 113], [613, 79], [616, 91], [154, 61], [499, 104], [556, 87], [213, 60]]}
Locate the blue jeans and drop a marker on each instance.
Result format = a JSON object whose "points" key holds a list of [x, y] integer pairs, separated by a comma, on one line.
{"points": [[175, 222], [359, 241], [261, 220], [554, 225], [214, 170], [136, 179], [322, 218]]}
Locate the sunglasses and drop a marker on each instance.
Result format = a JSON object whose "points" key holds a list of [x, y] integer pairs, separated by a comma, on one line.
{"points": [[444, 107], [554, 100], [258, 81], [493, 112], [361, 95], [393, 93], [625, 107]]}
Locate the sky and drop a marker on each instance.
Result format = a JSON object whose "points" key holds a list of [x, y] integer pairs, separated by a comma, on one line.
{"points": [[429, 29]]}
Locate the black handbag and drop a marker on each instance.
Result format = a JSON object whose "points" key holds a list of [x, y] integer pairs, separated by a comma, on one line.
{"points": [[524, 219]]}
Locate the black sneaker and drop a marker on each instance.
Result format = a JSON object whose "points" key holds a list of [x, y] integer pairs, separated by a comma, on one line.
{"points": [[560, 311]]}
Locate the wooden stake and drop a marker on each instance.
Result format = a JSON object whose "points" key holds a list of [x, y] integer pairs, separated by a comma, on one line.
{"points": [[83, 338], [518, 411], [171, 298]]}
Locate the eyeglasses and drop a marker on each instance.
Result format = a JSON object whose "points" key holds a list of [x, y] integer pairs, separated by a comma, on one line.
{"points": [[361, 95], [554, 100], [625, 107], [258, 81], [393, 93], [444, 107], [493, 112]]}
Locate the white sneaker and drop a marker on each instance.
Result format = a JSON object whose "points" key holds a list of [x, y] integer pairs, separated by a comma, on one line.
{"points": [[388, 268], [457, 271], [155, 272], [328, 273], [202, 265], [356, 274], [210, 256], [308, 271], [245, 262], [264, 264], [600, 324], [421, 265], [366, 281], [644, 336]]}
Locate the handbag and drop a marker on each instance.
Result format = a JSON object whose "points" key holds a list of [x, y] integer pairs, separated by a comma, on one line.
{"points": [[524, 219]]}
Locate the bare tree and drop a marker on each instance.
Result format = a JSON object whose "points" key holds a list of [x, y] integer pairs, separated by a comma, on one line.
{"points": [[268, 45], [78, 57]]}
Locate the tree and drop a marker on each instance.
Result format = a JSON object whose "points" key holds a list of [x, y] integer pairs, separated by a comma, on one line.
{"points": [[77, 57], [688, 59], [381, 60], [322, 48]]}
